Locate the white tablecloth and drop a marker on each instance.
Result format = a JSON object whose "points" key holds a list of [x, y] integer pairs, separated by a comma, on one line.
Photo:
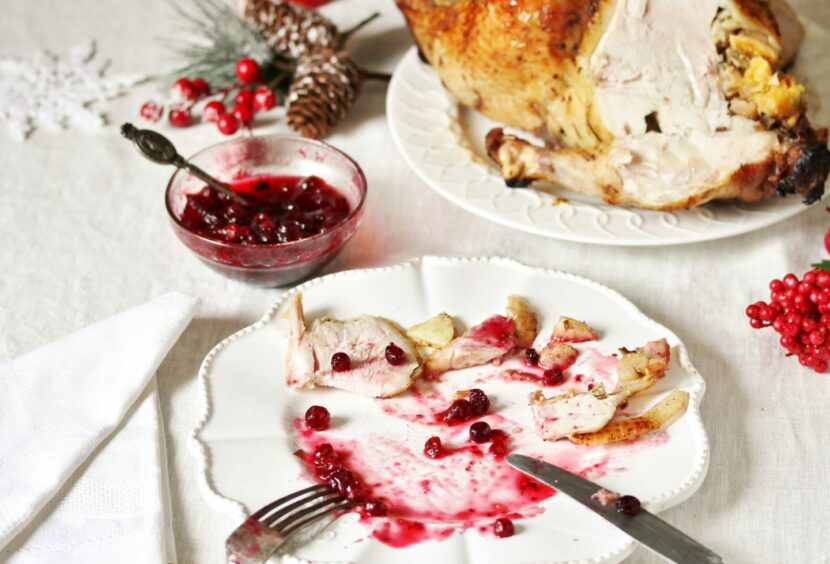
{"points": [[84, 234]]}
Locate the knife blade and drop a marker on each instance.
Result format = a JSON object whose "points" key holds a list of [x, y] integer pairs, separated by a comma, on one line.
{"points": [[644, 527]]}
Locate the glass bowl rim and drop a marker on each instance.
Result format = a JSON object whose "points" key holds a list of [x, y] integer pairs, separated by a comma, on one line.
{"points": [[277, 136]]}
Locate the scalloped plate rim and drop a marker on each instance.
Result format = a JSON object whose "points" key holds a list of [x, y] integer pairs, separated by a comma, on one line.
{"points": [[236, 510]]}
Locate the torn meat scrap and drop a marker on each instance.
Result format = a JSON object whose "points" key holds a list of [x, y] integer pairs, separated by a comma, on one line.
{"points": [[527, 324], [363, 339], [569, 330], [605, 497], [584, 417], [489, 341], [560, 356]]}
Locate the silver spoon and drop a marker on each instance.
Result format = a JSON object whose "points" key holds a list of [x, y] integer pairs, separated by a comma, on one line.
{"points": [[159, 149]]}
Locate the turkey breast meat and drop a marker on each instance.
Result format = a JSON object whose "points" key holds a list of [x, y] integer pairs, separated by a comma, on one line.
{"points": [[661, 104], [364, 339]]}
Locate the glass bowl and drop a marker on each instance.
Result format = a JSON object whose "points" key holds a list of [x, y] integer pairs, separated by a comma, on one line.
{"points": [[277, 264]]}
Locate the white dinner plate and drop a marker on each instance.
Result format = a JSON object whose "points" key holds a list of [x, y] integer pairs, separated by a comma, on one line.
{"points": [[444, 144], [247, 436]]}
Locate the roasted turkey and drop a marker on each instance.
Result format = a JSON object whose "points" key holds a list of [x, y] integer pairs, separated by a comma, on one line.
{"points": [[660, 104]]}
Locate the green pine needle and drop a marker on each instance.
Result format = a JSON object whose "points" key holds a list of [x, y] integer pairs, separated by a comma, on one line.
{"points": [[216, 37]]}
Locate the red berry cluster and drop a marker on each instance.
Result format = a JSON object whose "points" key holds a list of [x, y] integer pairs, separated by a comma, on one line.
{"points": [[472, 403], [250, 97], [799, 310]]}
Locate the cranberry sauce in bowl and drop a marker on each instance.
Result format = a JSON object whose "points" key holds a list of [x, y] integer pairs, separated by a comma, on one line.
{"points": [[305, 202], [283, 209]]}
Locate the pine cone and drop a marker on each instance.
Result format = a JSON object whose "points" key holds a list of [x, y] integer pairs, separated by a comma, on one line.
{"points": [[326, 84], [290, 29]]}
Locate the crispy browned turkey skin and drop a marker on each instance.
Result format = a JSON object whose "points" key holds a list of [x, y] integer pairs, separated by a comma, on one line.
{"points": [[661, 104]]}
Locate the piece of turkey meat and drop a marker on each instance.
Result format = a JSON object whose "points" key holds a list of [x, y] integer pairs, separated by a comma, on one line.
{"points": [[573, 413], [364, 339], [490, 340]]}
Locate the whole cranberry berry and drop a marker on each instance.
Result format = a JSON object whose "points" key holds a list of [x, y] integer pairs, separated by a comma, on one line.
{"points": [[151, 111], [628, 505], [554, 376], [395, 355], [504, 528], [201, 86], [247, 70], [823, 279], [213, 110], [375, 508], [791, 281], [341, 479], [317, 417], [480, 432], [264, 98], [184, 90], [479, 402], [433, 447], [459, 410], [532, 357], [340, 362], [179, 117], [227, 124], [244, 113]]}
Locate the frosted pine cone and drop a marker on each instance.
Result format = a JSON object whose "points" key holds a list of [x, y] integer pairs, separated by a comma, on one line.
{"points": [[290, 29], [326, 84]]}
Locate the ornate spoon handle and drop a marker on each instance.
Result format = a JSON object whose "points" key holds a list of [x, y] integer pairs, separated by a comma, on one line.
{"points": [[159, 149]]}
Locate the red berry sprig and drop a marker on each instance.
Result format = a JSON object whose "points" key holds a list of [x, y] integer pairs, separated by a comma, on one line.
{"points": [[248, 94], [151, 111], [247, 70], [799, 311]]}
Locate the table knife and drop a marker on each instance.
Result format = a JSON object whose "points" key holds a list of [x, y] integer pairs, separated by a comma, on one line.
{"points": [[644, 527]]}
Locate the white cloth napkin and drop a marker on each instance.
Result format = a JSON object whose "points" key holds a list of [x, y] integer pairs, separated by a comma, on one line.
{"points": [[82, 462]]}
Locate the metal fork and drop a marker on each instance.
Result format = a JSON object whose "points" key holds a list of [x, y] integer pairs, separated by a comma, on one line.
{"points": [[259, 537]]}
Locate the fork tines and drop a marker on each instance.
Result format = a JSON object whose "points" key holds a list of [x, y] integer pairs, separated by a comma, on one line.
{"points": [[288, 518]]}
